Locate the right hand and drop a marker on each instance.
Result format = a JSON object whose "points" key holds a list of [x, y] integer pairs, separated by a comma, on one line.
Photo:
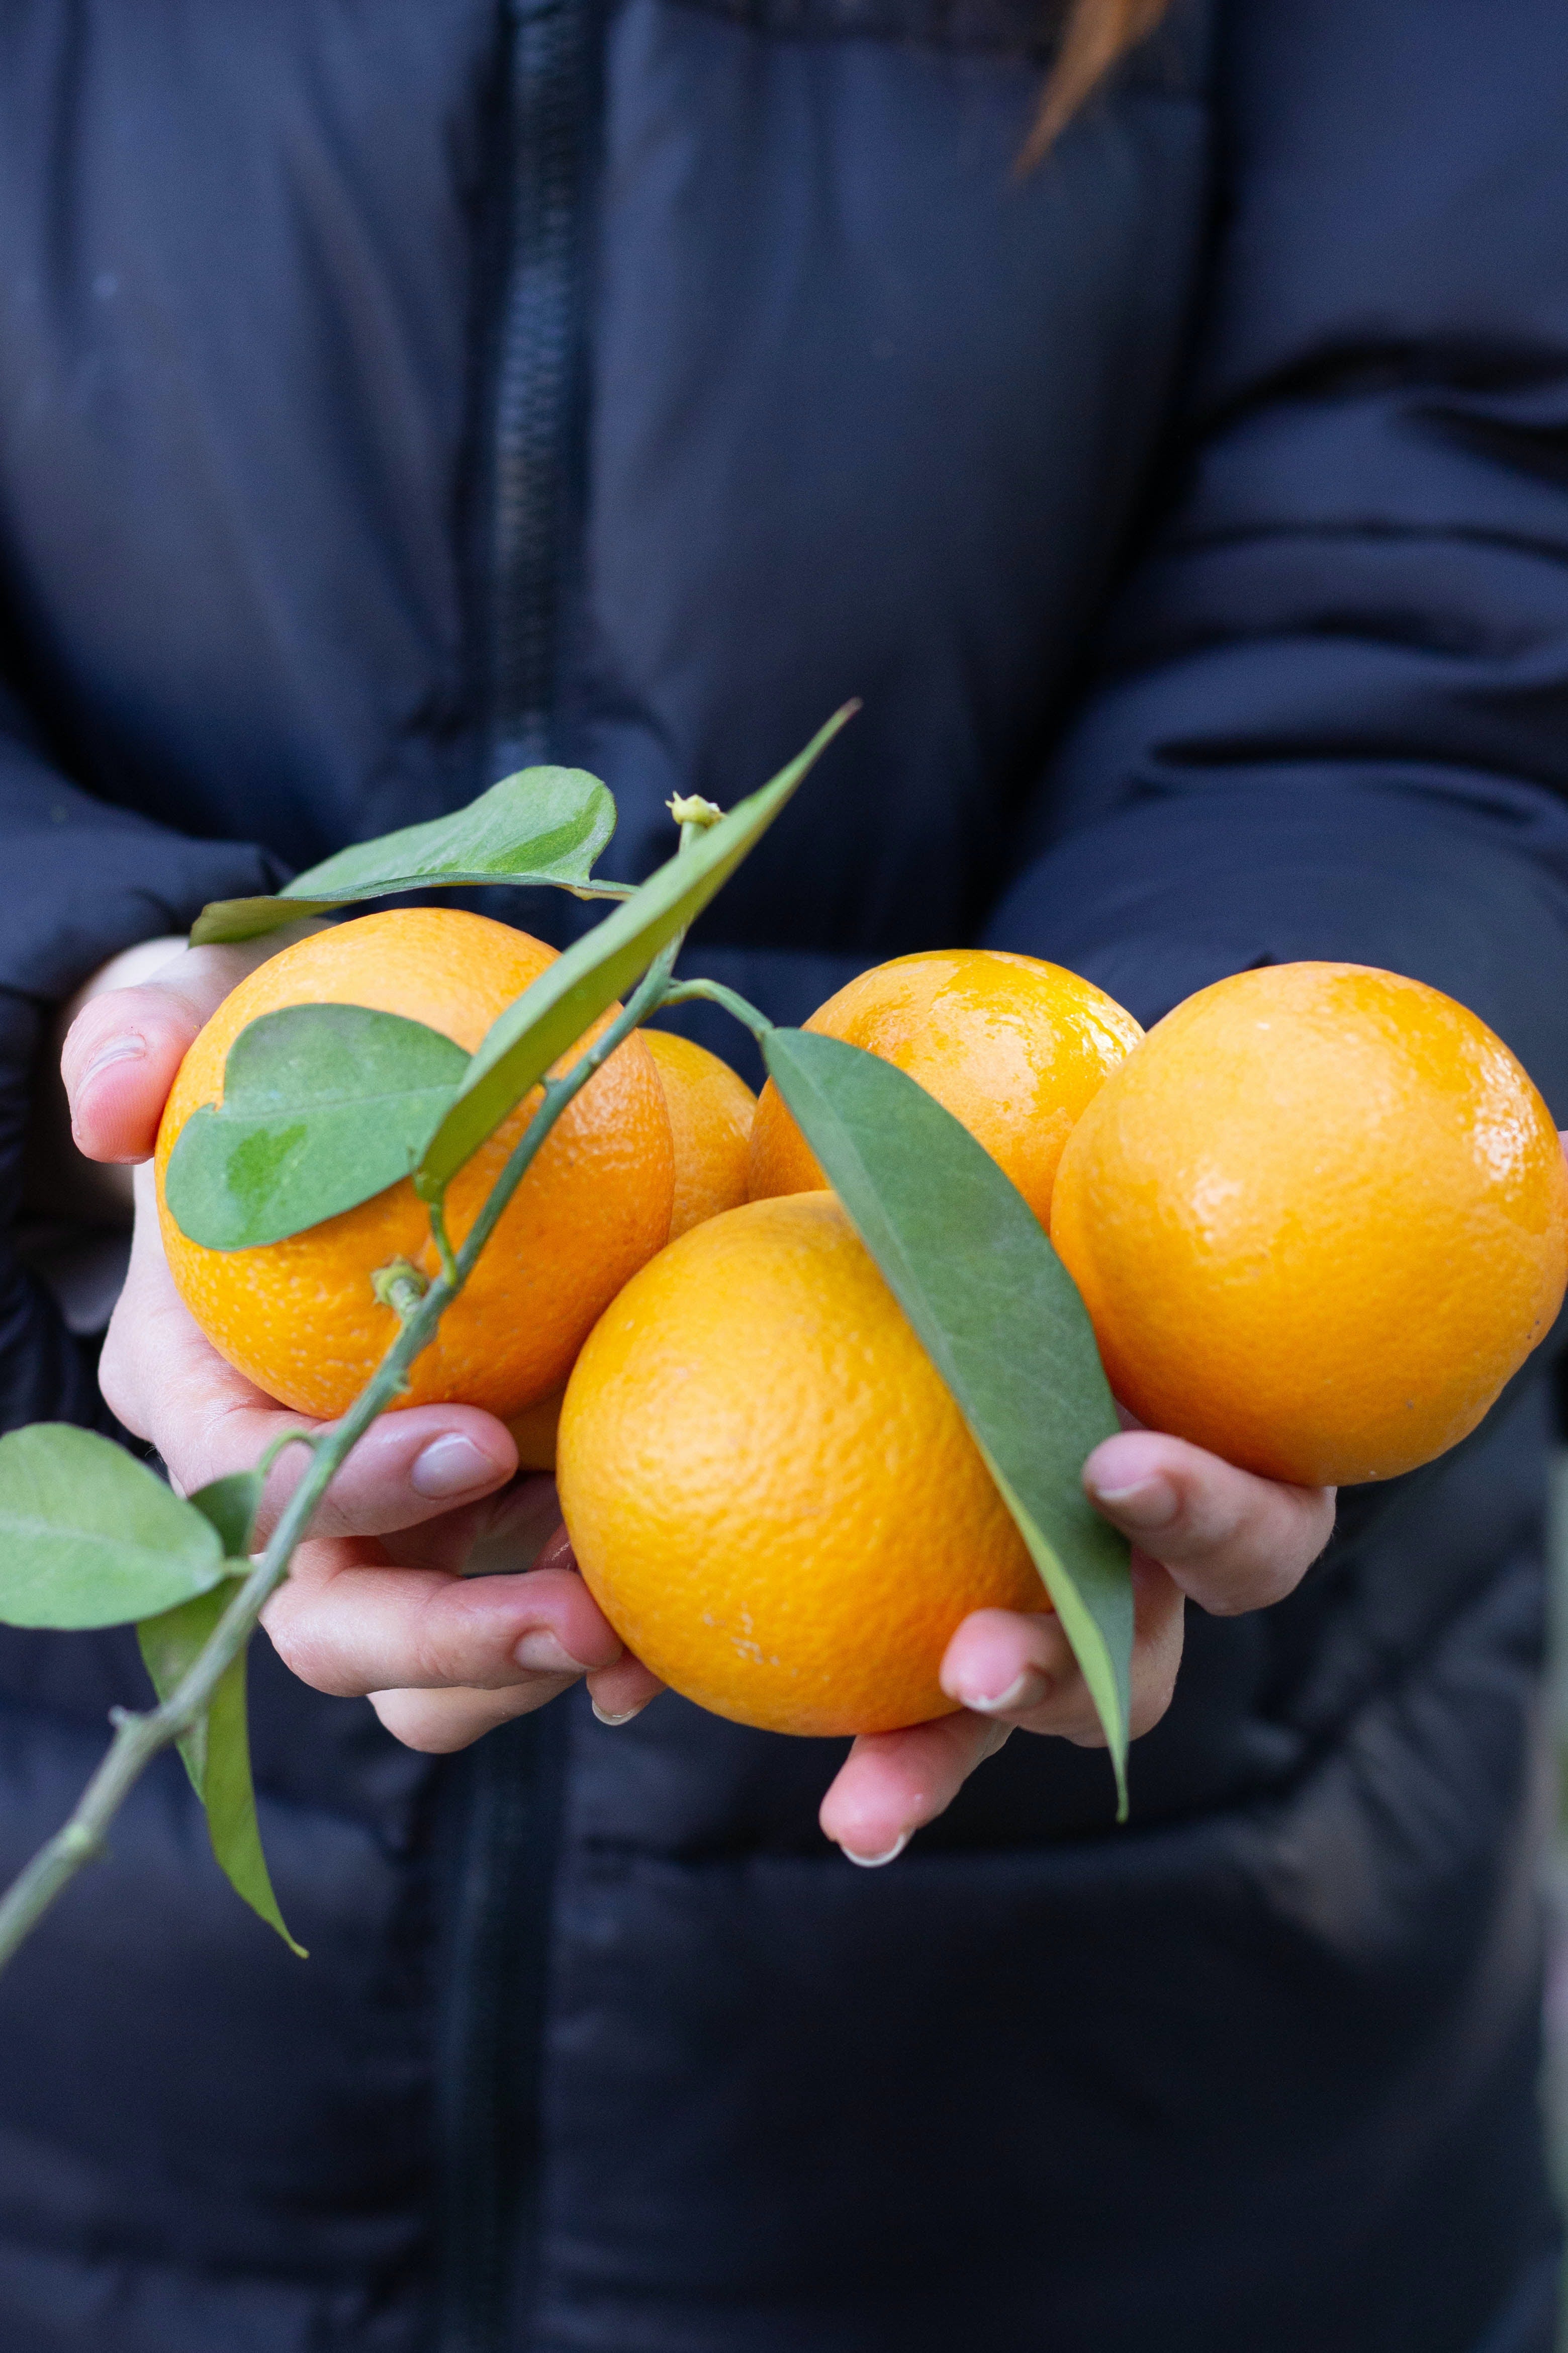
{"points": [[377, 1604]]}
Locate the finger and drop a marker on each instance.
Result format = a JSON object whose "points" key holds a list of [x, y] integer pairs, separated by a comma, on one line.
{"points": [[437, 1723], [504, 1535], [891, 1783], [410, 1466], [346, 1623], [624, 1687], [127, 1042], [168, 1385], [1019, 1669], [1232, 1541], [1013, 1672], [125, 1048]]}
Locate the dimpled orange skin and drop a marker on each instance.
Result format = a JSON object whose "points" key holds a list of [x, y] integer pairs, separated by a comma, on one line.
{"points": [[773, 1498], [710, 1113], [299, 1317], [1012, 1046], [1318, 1219]]}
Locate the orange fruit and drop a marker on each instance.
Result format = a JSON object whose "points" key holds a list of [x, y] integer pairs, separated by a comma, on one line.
{"points": [[710, 1113], [773, 1499], [1318, 1219], [1012, 1046], [300, 1318]]}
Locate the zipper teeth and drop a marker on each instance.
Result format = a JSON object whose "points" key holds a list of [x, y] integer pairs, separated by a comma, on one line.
{"points": [[508, 1789], [535, 379], [507, 1792]]}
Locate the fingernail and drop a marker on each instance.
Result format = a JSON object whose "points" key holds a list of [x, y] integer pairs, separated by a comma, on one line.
{"points": [[127, 1048], [1025, 1690], [875, 1861], [452, 1466], [1148, 1503], [612, 1720], [542, 1654]]}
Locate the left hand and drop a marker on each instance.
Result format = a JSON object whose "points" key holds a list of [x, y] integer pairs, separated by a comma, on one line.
{"points": [[1201, 1530]]}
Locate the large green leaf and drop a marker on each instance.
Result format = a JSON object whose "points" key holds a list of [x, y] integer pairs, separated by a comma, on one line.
{"points": [[91, 1537], [323, 1106], [1000, 1318], [216, 1749], [556, 1008], [544, 825]]}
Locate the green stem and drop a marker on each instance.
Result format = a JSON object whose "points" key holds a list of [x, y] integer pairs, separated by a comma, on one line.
{"points": [[644, 999], [285, 1438], [442, 1239], [138, 1737], [713, 992]]}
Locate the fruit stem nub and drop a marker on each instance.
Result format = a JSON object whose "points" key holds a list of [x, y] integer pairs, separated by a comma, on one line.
{"points": [[400, 1285]]}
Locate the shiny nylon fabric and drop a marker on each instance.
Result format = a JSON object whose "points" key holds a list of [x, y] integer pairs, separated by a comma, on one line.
{"points": [[1192, 519]]}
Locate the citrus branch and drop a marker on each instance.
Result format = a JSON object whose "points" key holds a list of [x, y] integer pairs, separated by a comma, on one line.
{"points": [[141, 1737]]}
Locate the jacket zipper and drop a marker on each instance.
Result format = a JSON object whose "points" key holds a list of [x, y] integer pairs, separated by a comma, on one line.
{"points": [[500, 1835], [536, 435], [503, 1797]]}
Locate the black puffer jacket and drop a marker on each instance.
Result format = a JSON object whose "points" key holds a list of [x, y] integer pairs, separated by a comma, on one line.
{"points": [[391, 390]]}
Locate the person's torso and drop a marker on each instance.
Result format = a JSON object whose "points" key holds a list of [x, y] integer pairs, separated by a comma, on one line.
{"points": [[390, 395]]}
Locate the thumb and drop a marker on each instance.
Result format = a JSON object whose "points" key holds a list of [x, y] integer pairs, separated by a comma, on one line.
{"points": [[125, 1047]]}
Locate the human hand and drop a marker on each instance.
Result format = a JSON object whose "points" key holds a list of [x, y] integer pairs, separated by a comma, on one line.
{"points": [[377, 1603], [1201, 1529]]}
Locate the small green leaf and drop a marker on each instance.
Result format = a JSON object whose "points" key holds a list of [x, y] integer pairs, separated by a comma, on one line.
{"points": [[218, 1750], [230, 1504], [323, 1105], [554, 1012], [91, 1537], [1000, 1318], [544, 825]]}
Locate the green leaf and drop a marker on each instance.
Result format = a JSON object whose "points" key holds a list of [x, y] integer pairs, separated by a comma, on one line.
{"points": [[323, 1106], [231, 1504], [556, 1008], [544, 825], [216, 1749], [89, 1536], [1000, 1318]]}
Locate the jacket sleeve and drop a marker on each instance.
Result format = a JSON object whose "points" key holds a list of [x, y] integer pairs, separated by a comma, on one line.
{"points": [[79, 882], [1331, 712]]}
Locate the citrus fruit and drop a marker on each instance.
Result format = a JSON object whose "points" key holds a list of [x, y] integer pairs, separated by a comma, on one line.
{"points": [[1318, 1219], [772, 1497], [1012, 1046], [300, 1316], [710, 1113]]}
